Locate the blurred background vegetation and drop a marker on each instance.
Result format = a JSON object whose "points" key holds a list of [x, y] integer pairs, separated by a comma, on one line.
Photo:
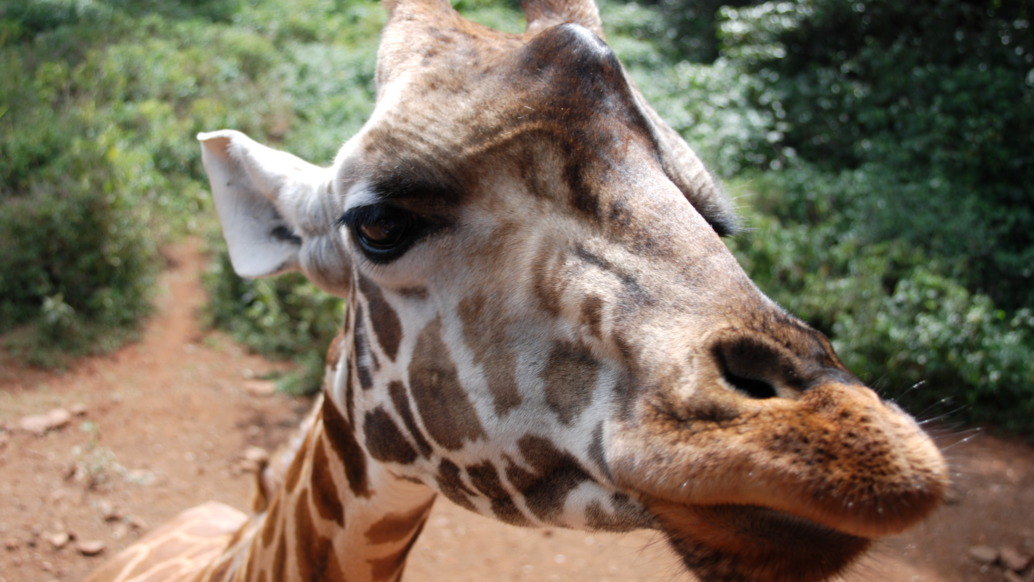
{"points": [[882, 153]]}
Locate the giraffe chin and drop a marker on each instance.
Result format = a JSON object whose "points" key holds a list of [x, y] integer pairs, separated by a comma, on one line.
{"points": [[732, 543]]}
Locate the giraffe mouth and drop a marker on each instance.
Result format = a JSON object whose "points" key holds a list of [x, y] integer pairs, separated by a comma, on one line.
{"points": [[747, 542]]}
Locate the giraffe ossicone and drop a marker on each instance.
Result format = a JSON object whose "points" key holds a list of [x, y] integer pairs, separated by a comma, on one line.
{"points": [[544, 327]]}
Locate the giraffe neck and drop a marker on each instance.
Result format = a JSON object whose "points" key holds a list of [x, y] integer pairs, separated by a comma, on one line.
{"points": [[335, 513]]}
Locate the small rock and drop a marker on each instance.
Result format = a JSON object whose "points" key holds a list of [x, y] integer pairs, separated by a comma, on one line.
{"points": [[58, 418], [12, 544], [107, 510], [983, 554], [78, 409], [39, 424], [260, 387], [1011, 576], [36, 424], [90, 548], [136, 523], [255, 458], [120, 531], [58, 540], [256, 454], [1012, 559]]}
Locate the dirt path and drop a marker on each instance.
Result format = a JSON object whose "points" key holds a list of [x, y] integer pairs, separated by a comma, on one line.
{"points": [[165, 423]]}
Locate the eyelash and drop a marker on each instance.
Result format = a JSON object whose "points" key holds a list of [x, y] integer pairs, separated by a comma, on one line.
{"points": [[383, 232]]}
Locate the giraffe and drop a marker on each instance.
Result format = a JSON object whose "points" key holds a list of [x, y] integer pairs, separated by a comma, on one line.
{"points": [[544, 327]]}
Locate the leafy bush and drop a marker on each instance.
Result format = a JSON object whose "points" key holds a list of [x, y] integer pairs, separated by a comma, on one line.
{"points": [[285, 317], [97, 161], [74, 252], [935, 99], [895, 318]]}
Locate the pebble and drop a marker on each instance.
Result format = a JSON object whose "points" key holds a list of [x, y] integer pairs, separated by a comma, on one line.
{"points": [[59, 540], [260, 387], [90, 548], [256, 454], [1012, 559], [120, 531], [983, 554], [107, 510], [39, 424], [255, 458]]}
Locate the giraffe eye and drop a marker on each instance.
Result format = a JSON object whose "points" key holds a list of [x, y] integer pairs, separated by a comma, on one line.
{"points": [[383, 232]]}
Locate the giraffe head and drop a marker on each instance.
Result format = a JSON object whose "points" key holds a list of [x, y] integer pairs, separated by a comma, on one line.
{"points": [[544, 324]]}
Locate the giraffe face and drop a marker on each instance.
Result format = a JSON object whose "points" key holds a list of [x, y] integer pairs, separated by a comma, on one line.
{"points": [[544, 324]]}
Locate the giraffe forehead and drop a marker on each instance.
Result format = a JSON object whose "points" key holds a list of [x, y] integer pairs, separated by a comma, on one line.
{"points": [[458, 92]]}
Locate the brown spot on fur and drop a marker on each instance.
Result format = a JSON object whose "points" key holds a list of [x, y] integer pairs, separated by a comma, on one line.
{"points": [[545, 279], [280, 560], [414, 292], [386, 324], [294, 471], [486, 479], [491, 350], [394, 527], [622, 516], [596, 450], [569, 377], [345, 445], [384, 440], [447, 413], [450, 484], [334, 571], [362, 350], [334, 351], [325, 495], [270, 524], [401, 401], [391, 567], [592, 315], [507, 511], [312, 549], [556, 474]]}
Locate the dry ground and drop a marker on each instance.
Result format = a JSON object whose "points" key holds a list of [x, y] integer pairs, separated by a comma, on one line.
{"points": [[163, 424]]}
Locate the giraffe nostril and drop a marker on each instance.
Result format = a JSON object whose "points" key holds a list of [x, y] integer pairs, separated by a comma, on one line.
{"points": [[758, 389], [752, 367]]}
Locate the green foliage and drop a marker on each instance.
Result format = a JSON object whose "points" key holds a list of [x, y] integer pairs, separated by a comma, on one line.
{"points": [[283, 317], [98, 165], [901, 219], [75, 256], [936, 98], [895, 318]]}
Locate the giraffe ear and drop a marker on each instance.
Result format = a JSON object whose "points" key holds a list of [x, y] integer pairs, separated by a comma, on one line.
{"points": [[251, 184], [277, 211]]}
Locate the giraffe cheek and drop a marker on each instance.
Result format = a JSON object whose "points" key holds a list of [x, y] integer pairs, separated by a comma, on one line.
{"points": [[442, 402]]}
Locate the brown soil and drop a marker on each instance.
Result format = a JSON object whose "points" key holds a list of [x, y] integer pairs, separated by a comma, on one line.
{"points": [[164, 424]]}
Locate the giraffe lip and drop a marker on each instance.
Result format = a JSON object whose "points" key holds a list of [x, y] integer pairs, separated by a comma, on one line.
{"points": [[750, 542], [773, 519]]}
